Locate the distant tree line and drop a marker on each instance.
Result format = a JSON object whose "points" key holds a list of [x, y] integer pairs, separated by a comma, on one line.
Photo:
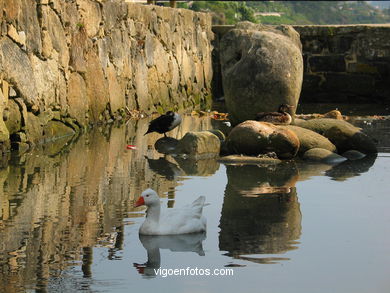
{"points": [[292, 12]]}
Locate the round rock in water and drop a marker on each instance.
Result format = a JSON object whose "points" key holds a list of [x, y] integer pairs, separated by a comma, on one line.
{"points": [[323, 156], [254, 138], [262, 68]]}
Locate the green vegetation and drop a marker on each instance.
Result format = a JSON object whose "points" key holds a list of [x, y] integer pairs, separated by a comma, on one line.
{"points": [[292, 12]]}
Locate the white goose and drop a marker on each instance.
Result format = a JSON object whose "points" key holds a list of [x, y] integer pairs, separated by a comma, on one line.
{"points": [[185, 220]]}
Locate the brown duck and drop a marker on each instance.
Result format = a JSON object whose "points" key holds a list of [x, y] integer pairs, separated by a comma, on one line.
{"points": [[280, 117]]}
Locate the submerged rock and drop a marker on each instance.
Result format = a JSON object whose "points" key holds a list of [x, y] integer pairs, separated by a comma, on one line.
{"points": [[262, 68], [342, 134], [309, 139], [323, 156], [248, 160], [254, 138]]}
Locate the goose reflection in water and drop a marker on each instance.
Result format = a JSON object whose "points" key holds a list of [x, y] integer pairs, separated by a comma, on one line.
{"points": [[176, 243], [261, 213]]}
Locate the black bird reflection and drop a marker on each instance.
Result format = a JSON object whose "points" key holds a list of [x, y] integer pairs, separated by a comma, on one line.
{"points": [[164, 168], [175, 243], [260, 213]]}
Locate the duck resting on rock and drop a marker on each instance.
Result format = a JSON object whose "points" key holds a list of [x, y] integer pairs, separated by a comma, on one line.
{"points": [[164, 123], [280, 117]]}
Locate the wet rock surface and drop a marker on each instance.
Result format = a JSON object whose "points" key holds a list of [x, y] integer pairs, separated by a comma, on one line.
{"points": [[342, 134], [309, 139], [254, 138]]}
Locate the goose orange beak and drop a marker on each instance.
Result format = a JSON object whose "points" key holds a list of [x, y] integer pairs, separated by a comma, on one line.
{"points": [[140, 202]]}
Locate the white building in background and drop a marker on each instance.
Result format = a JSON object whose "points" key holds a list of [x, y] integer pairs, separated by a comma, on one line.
{"points": [[277, 14]]}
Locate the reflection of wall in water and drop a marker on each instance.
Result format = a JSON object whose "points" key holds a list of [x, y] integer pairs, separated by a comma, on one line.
{"points": [[55, 206], [261, 224]]}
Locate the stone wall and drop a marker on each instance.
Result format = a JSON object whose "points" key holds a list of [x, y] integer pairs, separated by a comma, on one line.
{"points": [[67, 64], [346, 63], [342, 63]]}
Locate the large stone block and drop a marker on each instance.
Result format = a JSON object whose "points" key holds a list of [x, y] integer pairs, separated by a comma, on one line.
{"points": [[17, 69], [14, 119], [28, 23], [91, 16], [116, 91], [262, 68], [53, 24], [97, 89], [77, 98]]}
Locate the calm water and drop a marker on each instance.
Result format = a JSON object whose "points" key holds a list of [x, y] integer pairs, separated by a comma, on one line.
{"points": [[67, 221]]}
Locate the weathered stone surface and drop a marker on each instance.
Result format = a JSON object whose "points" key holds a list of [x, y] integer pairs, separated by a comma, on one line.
{"points": [[91, 16], [89, 59], [309, 139], [28, 22], [14, 121], [77, 98], [202, 144], [262, 68], [78, 50], [33, 127], [98, 96], [56, 129], [141, 76], [47, 80], [254, 138], [13, 34], [342, 134], [56, 32], [323, 156], [4, 133], [116, 92], [17, 69]]}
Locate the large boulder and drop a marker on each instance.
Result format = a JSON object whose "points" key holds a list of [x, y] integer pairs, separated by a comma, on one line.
{"points": [[309, 139], [254, 138], [199, 145], [342, 134], [262, 68]]}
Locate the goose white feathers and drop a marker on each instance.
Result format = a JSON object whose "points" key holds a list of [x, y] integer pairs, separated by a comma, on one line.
{"points": [[187, 219]]}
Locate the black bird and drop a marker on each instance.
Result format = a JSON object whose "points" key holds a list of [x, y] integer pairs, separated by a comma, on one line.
{"points": [[280, 117], [164, 123]]}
